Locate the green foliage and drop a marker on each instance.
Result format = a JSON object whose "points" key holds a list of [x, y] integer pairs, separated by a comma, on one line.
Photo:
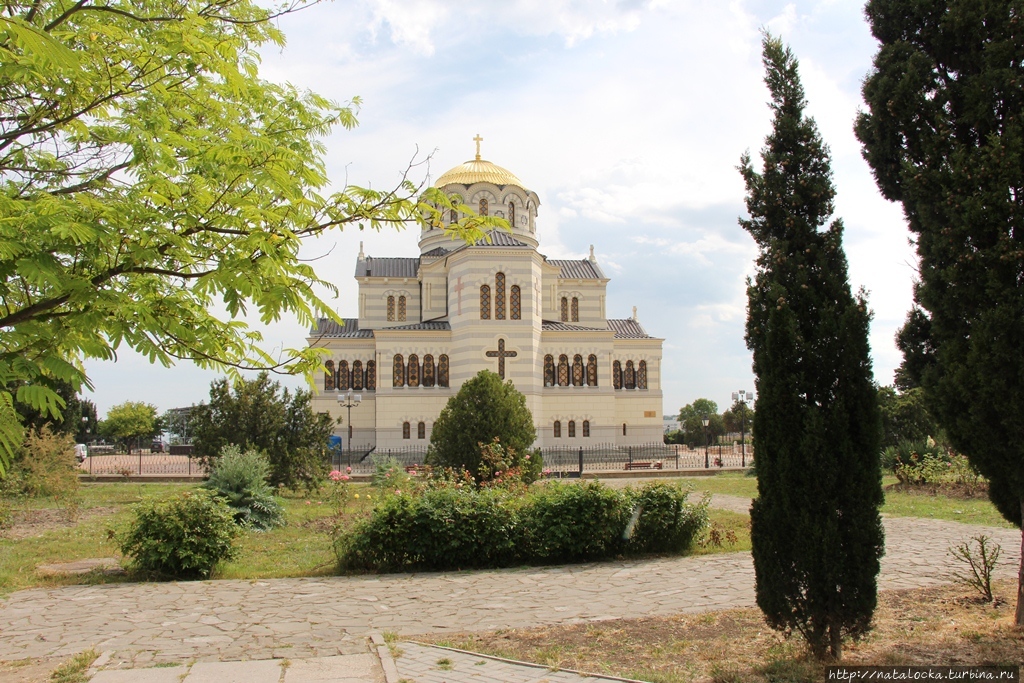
{"points": [[241, 480], [484, 408], [183, 536], [442, 528], [45, 467], [131, 423], [690, 420], [666, 522], [258, 415], [905, 416], [454, 525], [155, 191], [815, 529], [501, 466], [944, 136], [739, 417]]}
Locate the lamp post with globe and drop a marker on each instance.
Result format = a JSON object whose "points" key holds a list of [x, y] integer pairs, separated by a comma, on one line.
{"points": [[350, 401], [742, 397]]}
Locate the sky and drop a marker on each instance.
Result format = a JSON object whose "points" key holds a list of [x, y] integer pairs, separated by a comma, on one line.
{"points": [[627, 118]]}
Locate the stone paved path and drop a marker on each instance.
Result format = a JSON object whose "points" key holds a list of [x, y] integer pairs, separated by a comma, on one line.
{"points": [[320, 617]]}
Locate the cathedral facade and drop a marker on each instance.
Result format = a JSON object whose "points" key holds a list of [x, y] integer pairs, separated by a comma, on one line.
{"points": [[427, 324]]}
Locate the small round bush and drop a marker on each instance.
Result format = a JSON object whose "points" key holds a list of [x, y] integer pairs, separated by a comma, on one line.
{"points": [[241, 480], [569, 522], [183, 536], [665, 522]]}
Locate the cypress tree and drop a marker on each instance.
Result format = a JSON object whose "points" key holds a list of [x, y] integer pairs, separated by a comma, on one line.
{"points": [[944, 135], [815, 529]]}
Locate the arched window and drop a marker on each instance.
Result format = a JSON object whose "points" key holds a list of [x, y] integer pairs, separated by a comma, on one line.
{"points": [[421, 430], [549, 370], [586, 429], [371, 375], [563, 370], [565, 310], [398, 371], [630, 379], [485, 302], [391, 309], [499, 296], [641, 375], [414, 370], [428, 370], [557, 429], [575, 310], [401, 308], [623, 428], [572, 429], [577, 370], [329, 376], [512, 214], [617, 375], [357, 375], [453, 215], [483, 207], [442, 371], [405, 430], [591, 370], [343, 377], [516, 303]]}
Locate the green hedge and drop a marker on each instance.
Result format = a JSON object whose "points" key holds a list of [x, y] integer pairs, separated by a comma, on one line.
{"points": [[450, 528]]}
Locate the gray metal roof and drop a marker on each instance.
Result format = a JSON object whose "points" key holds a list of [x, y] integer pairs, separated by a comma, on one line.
{"points": [[387, 267], [429, 325], [500, 238], [627, 328], [584, 269], [349, 328], [436, 252], [555, 326]]}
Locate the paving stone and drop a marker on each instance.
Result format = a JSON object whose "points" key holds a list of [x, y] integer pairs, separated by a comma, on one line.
{"points": [[260, 671], [361, 668], [169, 674]]}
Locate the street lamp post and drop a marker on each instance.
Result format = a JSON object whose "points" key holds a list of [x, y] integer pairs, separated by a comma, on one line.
{"points": [[350, 401], [742, 397], [704, 421]]}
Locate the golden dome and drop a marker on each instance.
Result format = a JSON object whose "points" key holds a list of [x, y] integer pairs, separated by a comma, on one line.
{"points": [[478, 171]]}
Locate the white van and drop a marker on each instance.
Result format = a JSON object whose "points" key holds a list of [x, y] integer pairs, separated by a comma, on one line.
{"points": [[81, 451]]}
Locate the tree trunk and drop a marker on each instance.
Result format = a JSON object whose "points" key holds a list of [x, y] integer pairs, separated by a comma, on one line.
{"points": [[835, 634], [1018, 618]]}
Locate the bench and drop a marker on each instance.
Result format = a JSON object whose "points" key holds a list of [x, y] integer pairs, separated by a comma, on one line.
{"points": [[643, 465]]}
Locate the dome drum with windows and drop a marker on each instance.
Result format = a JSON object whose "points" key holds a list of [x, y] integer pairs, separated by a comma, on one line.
{"points": [[427, 324]]}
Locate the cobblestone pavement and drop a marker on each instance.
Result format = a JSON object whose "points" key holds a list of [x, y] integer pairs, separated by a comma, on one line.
{"points": [[143, 624]]}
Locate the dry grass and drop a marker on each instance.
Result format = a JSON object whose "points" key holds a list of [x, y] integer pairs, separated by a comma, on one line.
{"points": [[927, 626]]}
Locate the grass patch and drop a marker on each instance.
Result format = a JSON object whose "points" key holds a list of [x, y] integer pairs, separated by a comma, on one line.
{"points": [[74, 670], [899, 503], [929, 626]]}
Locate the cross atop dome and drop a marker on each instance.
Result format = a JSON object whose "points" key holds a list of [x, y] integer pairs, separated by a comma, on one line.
{"points": [[478, 140]]}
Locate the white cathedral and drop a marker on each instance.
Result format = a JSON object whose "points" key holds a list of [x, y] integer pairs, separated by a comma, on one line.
{"points": [[428, 324]]}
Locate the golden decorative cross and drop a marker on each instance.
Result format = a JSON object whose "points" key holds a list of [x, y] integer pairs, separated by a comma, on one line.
{"points": [[478, 140]]}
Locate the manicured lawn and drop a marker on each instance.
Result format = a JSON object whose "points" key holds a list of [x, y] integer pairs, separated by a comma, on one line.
{"points": [[897, 503]]}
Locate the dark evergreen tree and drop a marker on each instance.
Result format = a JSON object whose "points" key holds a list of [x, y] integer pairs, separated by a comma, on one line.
{"points": [[484, 408], [944, 135], [815, 529], [257, 415]]}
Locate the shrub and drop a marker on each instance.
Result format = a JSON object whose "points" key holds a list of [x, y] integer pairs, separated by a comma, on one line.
{"points": [[44, 467], [484, 407], [665, 522], [572, 522], [241, 480], [183, 536], [440, 528]]}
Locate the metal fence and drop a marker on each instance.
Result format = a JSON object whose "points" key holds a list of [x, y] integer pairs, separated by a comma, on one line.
{"points": [[142, 464], [568, 459]]}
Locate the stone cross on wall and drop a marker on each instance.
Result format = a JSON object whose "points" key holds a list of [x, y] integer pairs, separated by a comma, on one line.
{"points": [[457, 288], [501, 354]]}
